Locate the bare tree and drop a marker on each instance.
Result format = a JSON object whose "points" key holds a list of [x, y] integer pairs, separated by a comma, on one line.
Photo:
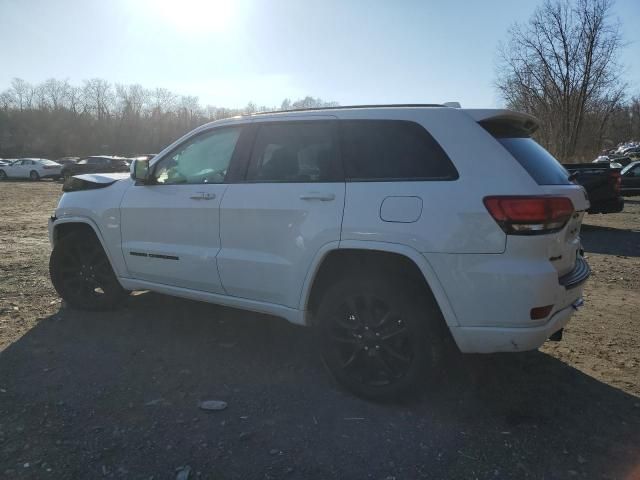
{"points": [[56, 92], [561, 66], [21, 93], [98, 97]]}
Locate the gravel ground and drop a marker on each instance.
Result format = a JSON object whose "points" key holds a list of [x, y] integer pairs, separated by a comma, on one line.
{"points": [[116, 395]]}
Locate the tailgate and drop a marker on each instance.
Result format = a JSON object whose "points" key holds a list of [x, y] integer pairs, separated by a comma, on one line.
{"points": [[564, 245]]}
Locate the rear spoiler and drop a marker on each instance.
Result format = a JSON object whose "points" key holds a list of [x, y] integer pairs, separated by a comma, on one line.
{"points": [[504, 123]]}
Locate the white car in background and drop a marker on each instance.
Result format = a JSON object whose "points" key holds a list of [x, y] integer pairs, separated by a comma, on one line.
{"points": [[32, 168]]}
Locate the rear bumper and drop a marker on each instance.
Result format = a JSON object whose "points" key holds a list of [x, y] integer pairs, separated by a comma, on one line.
{"points": [[493, 296], [504, 339], [577, 276]]}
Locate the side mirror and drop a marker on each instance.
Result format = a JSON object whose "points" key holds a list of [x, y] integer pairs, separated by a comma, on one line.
{"points": [[140, 170]]}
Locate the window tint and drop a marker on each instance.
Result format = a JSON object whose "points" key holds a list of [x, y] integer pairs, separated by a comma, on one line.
{"points": [[392, 150], [294, 152], [203, 159], [539, 163]]}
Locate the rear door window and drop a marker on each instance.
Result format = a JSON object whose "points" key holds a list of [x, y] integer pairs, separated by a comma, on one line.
{"points": [[392, 150], [295, 152], [540, 164]]}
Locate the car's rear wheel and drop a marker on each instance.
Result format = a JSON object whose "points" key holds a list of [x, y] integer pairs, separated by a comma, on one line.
{"points": [[3, 175], [82, 275], [377, 335], [33, 175]]}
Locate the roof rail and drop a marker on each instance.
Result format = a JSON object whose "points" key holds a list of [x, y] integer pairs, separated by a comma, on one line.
{"points": [[345, 107]]}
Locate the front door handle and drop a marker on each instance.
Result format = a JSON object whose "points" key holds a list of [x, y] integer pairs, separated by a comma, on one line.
{"points": [[323, 197], [203, 196]]}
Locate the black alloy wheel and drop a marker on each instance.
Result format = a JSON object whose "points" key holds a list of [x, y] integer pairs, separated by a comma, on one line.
{"points": [[82, 275], [376, 335]]}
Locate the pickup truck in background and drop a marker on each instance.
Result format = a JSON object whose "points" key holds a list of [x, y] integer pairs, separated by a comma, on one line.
{"points": [[602, 184]]}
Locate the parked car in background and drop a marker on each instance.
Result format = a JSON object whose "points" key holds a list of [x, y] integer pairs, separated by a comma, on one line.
{"points": [[375, 225], [68, 160], [32, 168], [96, 164], [620, 160], [630, 177], [623, 160], [602, 183], [142, 156]]}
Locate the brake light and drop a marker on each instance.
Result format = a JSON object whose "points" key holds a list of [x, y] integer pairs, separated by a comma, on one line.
{"points": [[617, 181], [529, 215]]}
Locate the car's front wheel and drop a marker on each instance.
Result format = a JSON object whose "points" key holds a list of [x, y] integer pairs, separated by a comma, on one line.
{"points": [[3, 175], [82, 275], [376, 335], [33, 175]]}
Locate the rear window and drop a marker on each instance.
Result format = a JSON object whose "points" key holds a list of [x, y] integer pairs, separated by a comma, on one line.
{"points": [[539, 163], [392, 150]]}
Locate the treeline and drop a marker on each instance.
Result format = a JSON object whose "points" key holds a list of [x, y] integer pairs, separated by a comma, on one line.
{"points": [[562, 67], [56, 119]]}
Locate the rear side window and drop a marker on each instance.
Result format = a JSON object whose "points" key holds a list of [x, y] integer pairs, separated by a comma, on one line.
{"points": [[392, 150], [539, 163], [294, 152]]}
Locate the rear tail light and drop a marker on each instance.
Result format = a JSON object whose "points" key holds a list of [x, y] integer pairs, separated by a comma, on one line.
{"points": [[530, 215], [616, 178], [49, 167]]}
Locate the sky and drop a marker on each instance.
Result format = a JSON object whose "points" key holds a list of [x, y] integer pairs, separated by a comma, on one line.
{"points": [[228, 53]]}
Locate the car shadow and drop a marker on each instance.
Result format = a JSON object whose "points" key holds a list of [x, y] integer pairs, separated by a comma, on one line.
{"points": [[610, 241], [116, 394]]}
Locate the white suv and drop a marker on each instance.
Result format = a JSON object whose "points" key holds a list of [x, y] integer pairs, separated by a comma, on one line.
{"points": [[388, 228]]}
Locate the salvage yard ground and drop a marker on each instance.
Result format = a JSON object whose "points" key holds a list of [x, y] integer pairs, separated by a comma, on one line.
{"points": [[115, 395]]}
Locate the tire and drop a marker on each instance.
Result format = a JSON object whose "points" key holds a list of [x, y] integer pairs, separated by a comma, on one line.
{"points": [[3, 175], [379, 336], [33, 176], [82, 275]]}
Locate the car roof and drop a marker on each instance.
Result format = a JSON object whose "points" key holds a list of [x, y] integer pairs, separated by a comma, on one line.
{"points": [[523, 120]]}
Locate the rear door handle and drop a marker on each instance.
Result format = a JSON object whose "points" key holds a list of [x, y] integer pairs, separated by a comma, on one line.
{"points": [[203, 196], [323, 197]]}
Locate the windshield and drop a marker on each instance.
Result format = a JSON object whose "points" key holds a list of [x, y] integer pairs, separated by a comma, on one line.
{"points": [[629, 167]]}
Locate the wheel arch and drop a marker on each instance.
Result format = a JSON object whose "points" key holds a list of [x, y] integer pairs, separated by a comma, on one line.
{"points": [[66, 225], [336, 255]]}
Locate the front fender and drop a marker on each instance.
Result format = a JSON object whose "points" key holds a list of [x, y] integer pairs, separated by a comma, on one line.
{"points": [[116, 261]]}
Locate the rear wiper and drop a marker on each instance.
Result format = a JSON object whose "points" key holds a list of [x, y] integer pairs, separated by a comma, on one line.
{"points": [[573, 176]]}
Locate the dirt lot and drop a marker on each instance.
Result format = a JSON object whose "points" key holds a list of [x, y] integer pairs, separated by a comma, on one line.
{"points": [[115, 395]]}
